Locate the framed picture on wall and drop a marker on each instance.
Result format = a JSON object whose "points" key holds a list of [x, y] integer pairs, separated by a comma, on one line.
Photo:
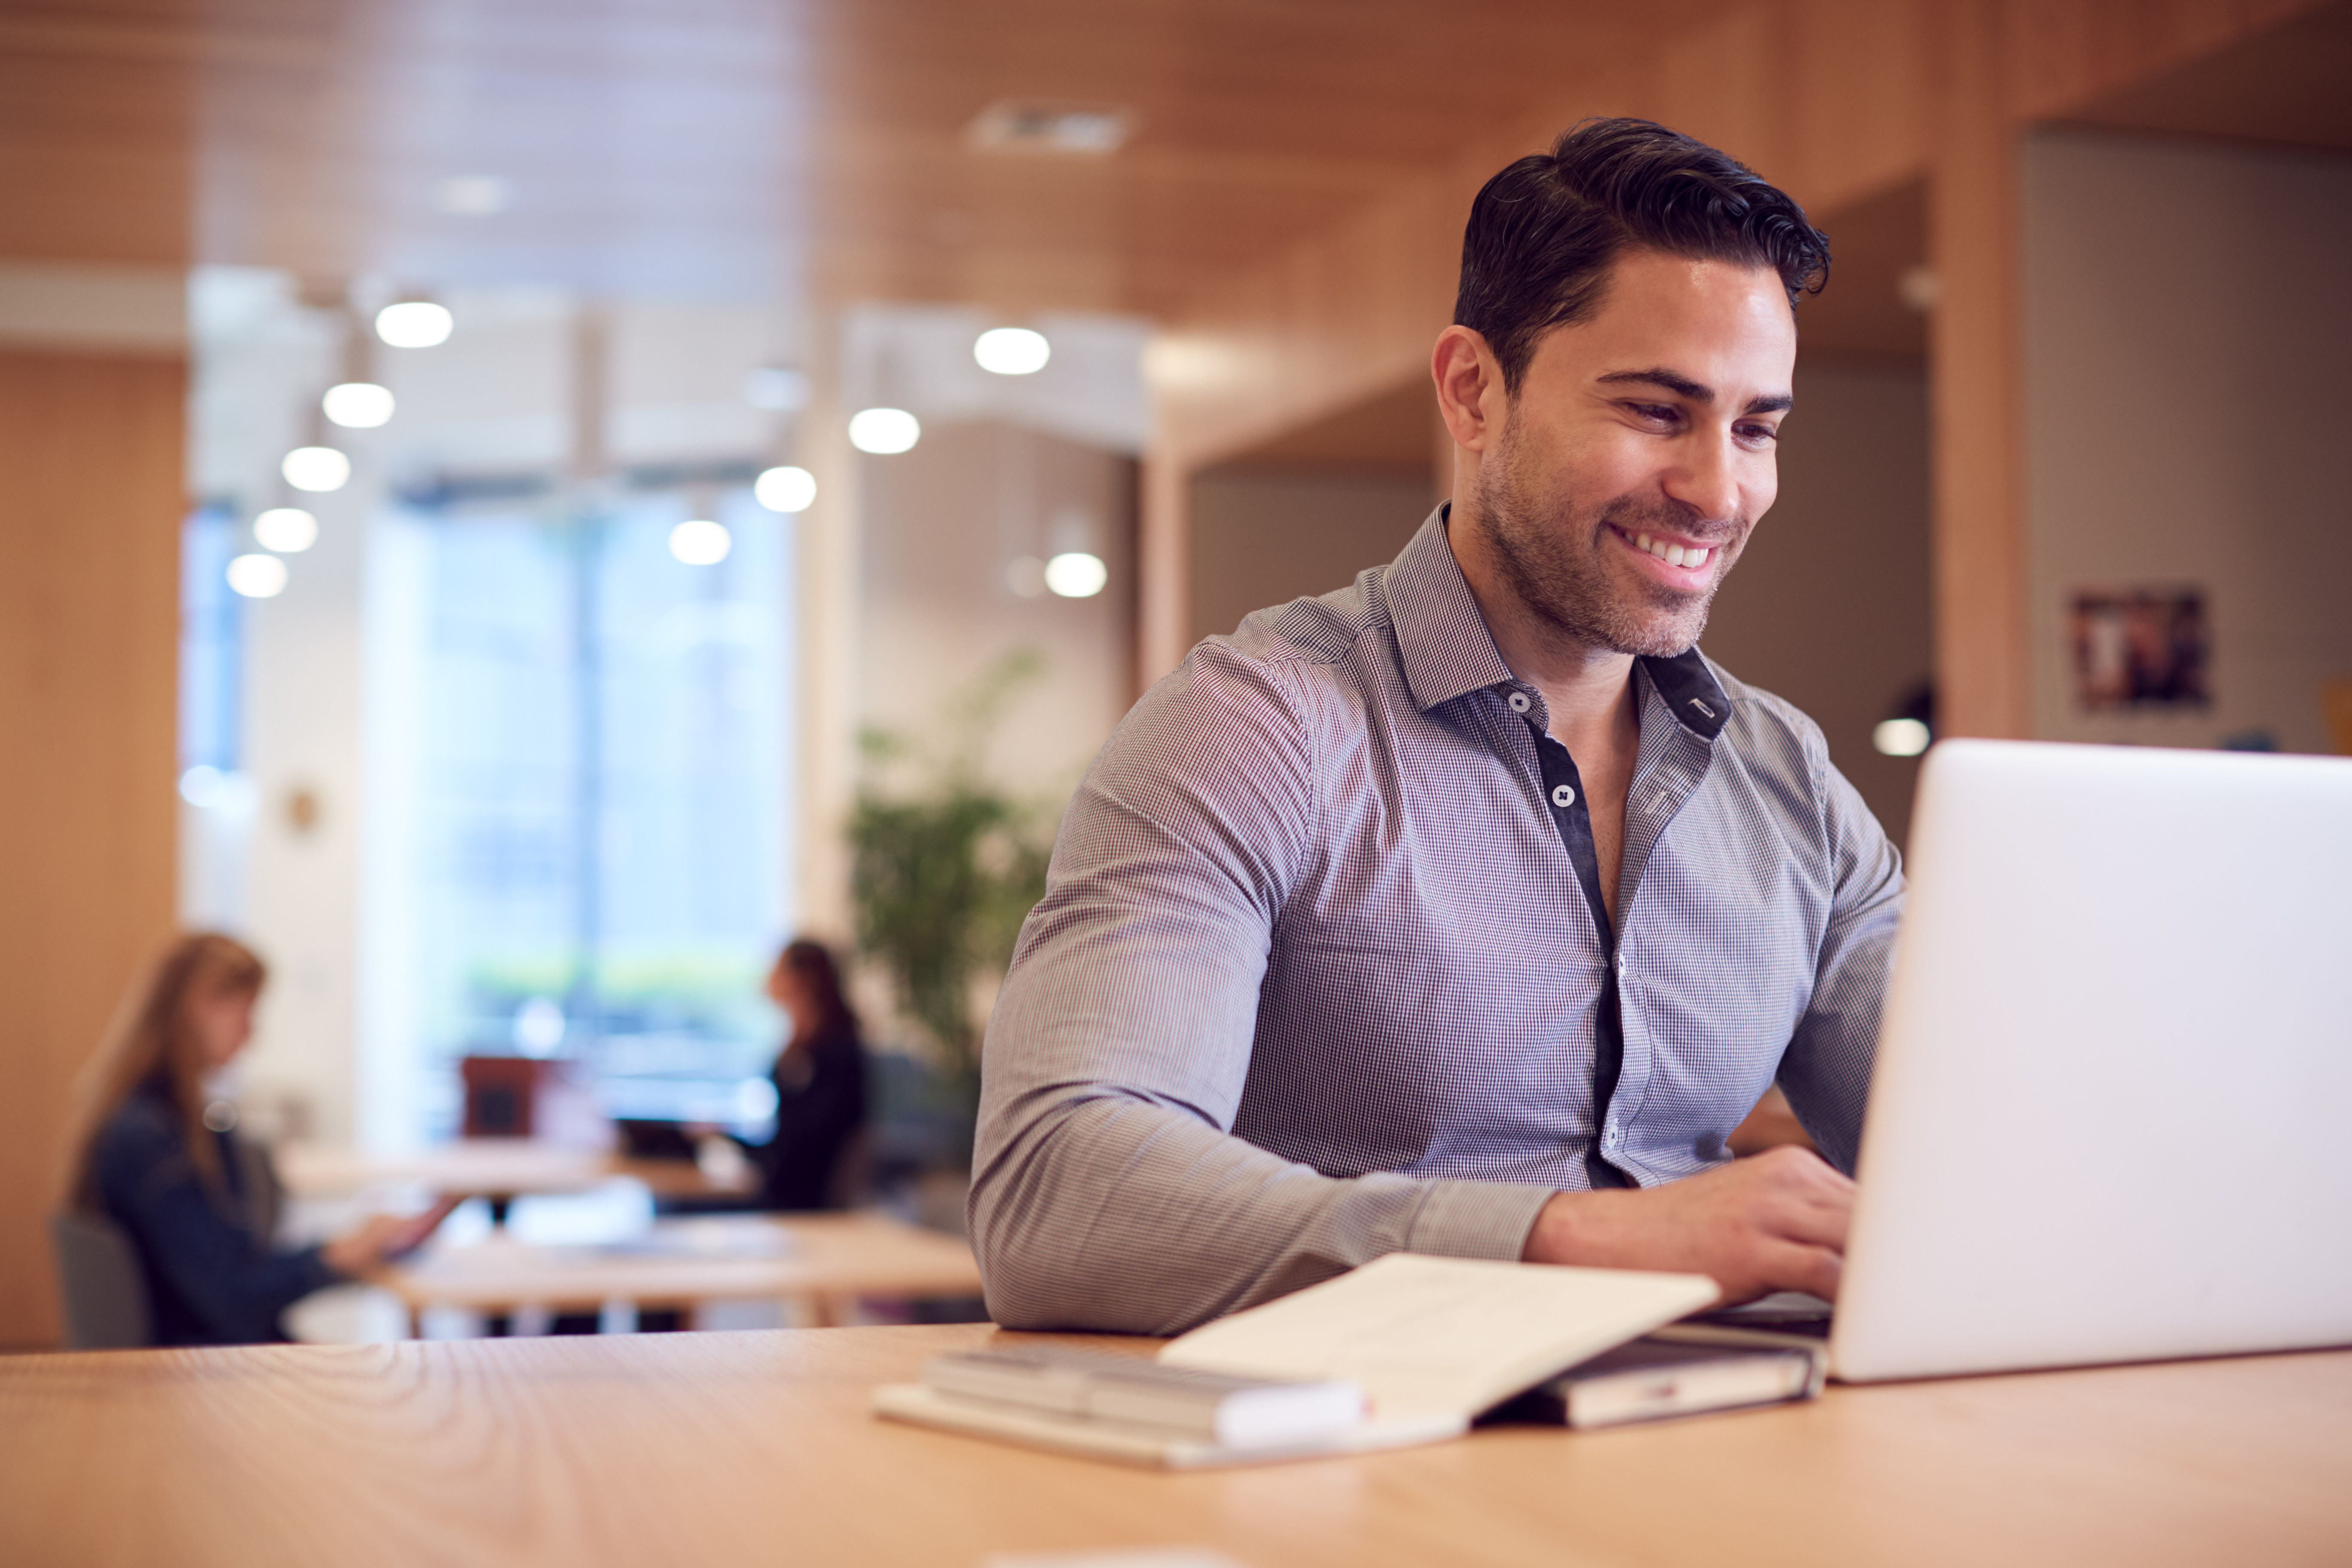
{"points": [[2141, 648]]}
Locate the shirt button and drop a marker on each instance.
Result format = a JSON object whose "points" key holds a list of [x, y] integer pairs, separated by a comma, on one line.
{"points": [[1563, 797], [1520, 703]]}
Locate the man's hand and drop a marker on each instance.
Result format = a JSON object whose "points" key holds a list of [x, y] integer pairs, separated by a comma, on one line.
{"points": [[1775, 1221]]}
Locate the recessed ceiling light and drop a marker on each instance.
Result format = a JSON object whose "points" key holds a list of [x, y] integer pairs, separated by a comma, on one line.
{"points": [[257, 576], [883, 431], [414, 324], [288, 530], [1076, 575], [318, 468], [357, 404], [1901, 738], [1012, 351], [786, 488], [699, 541], [1080, 129]]}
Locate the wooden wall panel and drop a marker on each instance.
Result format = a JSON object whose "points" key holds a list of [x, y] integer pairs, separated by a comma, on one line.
{"points": [[1976, 390], [90, 502], [1839, 100]]}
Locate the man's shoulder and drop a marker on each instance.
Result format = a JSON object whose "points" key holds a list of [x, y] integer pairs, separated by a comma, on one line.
{"points": [[1765, 724], [1321, 630]]}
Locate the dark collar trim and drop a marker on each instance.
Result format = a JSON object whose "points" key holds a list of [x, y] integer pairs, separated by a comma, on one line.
{"points": [[1692, 693]]}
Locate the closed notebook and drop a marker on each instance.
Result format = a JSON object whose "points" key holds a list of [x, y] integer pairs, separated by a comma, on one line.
{"points": [[1683, 1369], [1429, 1341]]}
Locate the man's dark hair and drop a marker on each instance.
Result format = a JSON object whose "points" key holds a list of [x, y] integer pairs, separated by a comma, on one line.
{"points": [[1543, 233]]}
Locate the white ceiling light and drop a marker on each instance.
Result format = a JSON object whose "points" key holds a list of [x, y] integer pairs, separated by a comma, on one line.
{"points": [[778, 388], [1012, 351], [257, 576], [1075, 574], [414, 324], [289, 530], [1901, 738], [357, 404], [698, 541], [318, 468], [884, 430], [787, 488]]}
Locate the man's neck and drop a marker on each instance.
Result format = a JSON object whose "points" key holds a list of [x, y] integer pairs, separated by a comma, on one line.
{"points": [[1589, 690]]}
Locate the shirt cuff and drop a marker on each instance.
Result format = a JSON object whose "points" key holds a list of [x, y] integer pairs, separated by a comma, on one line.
{"points": [[1476, 1219]]}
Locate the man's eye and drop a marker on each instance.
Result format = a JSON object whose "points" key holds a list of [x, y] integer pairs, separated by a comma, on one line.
{"points": [[1758, 433], [1660, 412]]}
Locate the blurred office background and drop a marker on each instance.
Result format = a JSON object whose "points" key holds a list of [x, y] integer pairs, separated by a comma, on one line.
{"points": [[491, 488]]}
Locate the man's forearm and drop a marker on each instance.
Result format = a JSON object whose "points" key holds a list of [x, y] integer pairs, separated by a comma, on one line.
{"points": [[1108, 1211]]}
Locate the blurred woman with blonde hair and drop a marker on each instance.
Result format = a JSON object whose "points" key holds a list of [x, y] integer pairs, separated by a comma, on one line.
{"points": [[158, 1156]]}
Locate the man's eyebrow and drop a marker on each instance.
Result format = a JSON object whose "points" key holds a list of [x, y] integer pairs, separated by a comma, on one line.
{"points": [[1681, 385], [1659, 375]]}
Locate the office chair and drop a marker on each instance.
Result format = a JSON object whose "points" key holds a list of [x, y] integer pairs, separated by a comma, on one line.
{"points": [[104, 1287]]}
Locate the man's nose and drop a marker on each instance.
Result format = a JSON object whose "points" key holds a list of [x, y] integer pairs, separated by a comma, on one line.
{"points": [[1706, 481]]}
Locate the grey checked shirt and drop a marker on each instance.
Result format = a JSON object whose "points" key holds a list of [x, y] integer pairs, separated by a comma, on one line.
{"points": [[1322, 973]]}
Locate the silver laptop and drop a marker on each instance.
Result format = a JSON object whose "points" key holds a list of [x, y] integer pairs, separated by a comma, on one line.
{"points": [[2112, 1116]]}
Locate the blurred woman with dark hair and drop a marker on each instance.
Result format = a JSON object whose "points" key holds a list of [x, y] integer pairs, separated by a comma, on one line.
{"points": [[820, 1080], [156, 1154]]}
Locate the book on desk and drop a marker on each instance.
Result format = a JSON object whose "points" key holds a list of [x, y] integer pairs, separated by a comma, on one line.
{"points": [[1405, 1350]]}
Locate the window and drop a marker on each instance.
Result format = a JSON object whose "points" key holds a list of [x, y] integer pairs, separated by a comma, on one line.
{"points": [[582, 755]]}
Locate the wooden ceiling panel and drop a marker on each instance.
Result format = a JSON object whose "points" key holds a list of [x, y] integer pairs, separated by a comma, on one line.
{"points": [[2291, 86], [747, 146]]}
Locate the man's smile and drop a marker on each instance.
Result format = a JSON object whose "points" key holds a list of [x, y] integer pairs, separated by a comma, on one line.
{"points": [[1677, 561]]}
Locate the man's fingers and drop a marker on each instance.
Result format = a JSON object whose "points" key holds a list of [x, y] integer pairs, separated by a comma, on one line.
{"points": [[1813, 1224], [1813, 1269]]}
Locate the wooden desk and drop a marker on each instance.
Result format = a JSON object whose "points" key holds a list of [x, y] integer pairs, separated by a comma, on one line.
{"points": [[490, 1168], [821, 1260], [758, 1446]]}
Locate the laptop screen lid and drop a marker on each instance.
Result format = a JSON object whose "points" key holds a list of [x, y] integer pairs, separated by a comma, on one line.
{"points": [[2109, 1115]]}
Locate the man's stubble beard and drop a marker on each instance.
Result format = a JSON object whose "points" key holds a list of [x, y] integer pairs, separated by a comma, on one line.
{"points": [[1553, 552]]}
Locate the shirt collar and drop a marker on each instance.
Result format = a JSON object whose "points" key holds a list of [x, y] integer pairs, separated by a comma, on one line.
{"points": [[1446, 649]]}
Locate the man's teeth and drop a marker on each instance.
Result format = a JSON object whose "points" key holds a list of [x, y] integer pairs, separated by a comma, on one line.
{"points": [[1674, 554]]}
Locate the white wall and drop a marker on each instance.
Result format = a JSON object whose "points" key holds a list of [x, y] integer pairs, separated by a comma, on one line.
{"points": [[2188, 345], [938, 527]]}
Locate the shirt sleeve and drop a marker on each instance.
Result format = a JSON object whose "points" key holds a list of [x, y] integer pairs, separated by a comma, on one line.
{"points": [[211, 1264], [1109, 1192], [1826, 1071]]}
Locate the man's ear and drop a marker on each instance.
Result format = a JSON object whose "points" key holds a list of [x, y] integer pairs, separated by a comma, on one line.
{"points": [[1469, 387]]}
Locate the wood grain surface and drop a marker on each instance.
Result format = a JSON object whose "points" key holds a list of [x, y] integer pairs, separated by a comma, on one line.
{"points": [[90, 445], [758, 1448]]}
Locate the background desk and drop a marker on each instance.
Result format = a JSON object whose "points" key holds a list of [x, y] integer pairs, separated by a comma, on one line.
{"points": [[823, 1260], [758, 1448], [496, 1168]]}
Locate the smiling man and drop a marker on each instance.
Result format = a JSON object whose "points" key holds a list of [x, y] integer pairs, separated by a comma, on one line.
{"points": [[1468, 910]]}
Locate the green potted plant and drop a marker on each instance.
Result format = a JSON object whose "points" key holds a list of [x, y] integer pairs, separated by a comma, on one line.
{"points": [[945, 865]]}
